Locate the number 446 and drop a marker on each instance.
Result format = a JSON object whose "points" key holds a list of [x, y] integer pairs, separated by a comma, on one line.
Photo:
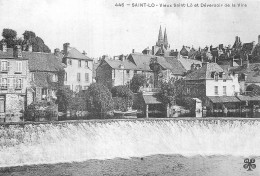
{"points": [[119, 4]]}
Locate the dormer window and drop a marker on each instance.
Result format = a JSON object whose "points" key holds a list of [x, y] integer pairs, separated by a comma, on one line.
{"points": [[212, 74], [220, 74], [54, 78]]}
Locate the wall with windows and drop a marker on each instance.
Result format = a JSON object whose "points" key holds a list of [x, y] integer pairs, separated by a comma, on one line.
{"points": [[221, 87], [78, 74], [14, 75]]}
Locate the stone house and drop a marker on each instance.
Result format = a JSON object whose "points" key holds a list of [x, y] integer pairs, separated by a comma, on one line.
{"points": [[46, 75], [212, 85], [113, 72], [78, 70], [13, 82]]}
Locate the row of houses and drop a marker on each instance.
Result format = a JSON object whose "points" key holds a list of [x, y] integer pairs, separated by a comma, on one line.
{"points": [[219, 75], [27, 76]]}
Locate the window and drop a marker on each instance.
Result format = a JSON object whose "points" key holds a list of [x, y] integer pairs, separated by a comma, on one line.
{"points": [[224, 90], [220, 74], [127, 71], [69, 62], [65, 76], [224, 80], [2, 104], [188, 90], [4, 83], [216, 90], [113, 73], [86, 77], [216, 77], [19, 84], [19, 66], [32, 76], [86, 63], [79, 63], [78, 76], [4, 66], [135, 71]]}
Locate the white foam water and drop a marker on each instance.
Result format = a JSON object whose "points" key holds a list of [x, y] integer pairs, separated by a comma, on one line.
{"points": [[69, 141]]}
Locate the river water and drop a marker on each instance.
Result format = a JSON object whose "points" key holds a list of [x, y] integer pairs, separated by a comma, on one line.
{"points": [[131, 147]]}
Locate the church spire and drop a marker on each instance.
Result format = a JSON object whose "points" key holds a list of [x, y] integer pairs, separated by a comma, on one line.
{"points": [[165, 40], [160, 38]]}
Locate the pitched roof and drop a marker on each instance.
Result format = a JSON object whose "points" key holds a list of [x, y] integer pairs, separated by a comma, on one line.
{"points": [[186, 63], [43, 79], [223, 99], [118, 64], [205, 72], [141, 61], [42, 61], [74, 53], [175, 66], [38, 61], [7, 54]]}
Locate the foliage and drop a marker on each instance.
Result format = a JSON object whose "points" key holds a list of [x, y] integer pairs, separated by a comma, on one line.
{"points": [[64, 98], [255, 89], [188, 103], [122, 97], [99, 99], [41, 109], [137, 81], [9, 37], [122, 91], [9, 33], [38, 45], [28, 35], [167, 92], [121, 104]]}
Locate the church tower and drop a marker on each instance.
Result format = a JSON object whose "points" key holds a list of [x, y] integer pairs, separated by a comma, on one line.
{"points": [[165, 40], [160, 38]]}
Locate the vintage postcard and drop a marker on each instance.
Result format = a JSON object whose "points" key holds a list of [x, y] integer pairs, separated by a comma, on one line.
{"points": [[129, 87]]}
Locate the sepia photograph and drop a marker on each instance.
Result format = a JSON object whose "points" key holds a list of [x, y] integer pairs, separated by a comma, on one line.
{"points": [[129, 87]]}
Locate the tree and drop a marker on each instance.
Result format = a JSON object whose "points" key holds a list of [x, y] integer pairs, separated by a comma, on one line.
{"points": [[99, 99], [167, 92], [64, 98], [9, 34], [9, 37], [122, 97], [137, 81], [28, 35]]}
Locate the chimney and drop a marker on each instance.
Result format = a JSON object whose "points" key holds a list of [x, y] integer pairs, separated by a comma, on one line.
{"points": [[133, 50], [17, 51], [4, 47], [259, 39], [56, 51], [30, 48], [237, 38], [84, 52], [65, 48]]}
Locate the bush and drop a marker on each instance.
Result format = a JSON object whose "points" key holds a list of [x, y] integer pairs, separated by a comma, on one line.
{"points": [[137, 81], [99, 99], [41, 109], [122, 97]]}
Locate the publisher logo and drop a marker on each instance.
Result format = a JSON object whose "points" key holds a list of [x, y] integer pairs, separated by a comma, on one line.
{"points": [[249, 164]]}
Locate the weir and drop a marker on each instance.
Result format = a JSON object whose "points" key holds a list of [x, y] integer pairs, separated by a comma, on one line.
{"points": [[75, 141]]}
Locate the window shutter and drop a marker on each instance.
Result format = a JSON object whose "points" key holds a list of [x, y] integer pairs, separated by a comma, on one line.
{"points": [[0, 65], [8, 82], [21, 83], [14, 82], [8, 65], [0, 82]]}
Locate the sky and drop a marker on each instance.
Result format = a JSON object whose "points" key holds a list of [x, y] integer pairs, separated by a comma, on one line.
{"points": [[101, 28]]}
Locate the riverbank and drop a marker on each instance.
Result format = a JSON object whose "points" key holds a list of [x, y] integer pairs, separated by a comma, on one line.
{"points": [[165, 165]]}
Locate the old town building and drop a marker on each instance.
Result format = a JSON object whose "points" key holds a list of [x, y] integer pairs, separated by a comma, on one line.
{"points": [[78, 70]]}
